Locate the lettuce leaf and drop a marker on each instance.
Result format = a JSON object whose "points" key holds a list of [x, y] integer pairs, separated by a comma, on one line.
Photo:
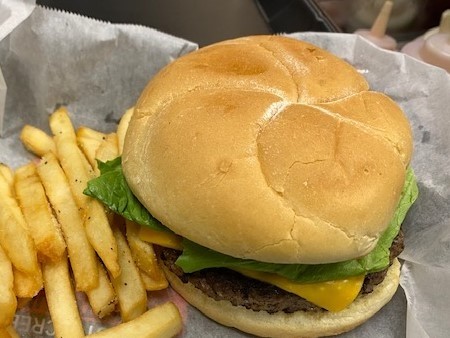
{"points": [[196, 257], [112, 190]]}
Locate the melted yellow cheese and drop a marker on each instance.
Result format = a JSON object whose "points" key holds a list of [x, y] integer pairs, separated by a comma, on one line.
{"points": [[332, 295], [161, 238]]}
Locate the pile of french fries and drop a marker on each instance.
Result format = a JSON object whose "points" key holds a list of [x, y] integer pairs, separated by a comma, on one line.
{"points": [[52, 236]]}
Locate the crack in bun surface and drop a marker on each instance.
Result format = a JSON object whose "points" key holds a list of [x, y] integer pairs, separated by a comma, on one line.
{"points": [[268, 148]]}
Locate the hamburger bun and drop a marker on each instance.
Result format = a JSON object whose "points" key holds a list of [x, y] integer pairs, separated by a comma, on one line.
{"points": [[297, 324], [268, 148]]}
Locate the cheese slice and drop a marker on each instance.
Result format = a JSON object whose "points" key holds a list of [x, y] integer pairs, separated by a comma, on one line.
{"points": [[333, 295], [162, 238]]}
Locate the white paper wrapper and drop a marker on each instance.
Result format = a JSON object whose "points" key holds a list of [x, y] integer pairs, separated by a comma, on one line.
{"points": [[12, 13], [99, 69]]}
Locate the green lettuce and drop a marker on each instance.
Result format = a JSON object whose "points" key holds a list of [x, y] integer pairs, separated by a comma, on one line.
{"points": [[111, 188], [196, 257]]}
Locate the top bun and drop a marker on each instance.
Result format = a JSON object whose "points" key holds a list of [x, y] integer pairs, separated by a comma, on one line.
{"points": [[268, 148]]}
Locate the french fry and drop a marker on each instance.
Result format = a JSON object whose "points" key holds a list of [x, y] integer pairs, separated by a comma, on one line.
{"points": [[43, 227], [162, 321], [37, 141], [14, 236], [123, 127], [61, 299], [88, 133], [97, 223], [7, 188], [128, 285], [87, 166], [89, 148], [27, 285], [89, 140], [152, 284], [69, 155], [103, 150], [108, 149], [67, 149], [7, 173], [73, 163], [144, 257], [82, 256], [101, 237], [8, 301], [102, 298], [162, 238]]}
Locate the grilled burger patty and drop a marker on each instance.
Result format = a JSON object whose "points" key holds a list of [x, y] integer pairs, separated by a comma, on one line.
{"points": [[225, 284]]}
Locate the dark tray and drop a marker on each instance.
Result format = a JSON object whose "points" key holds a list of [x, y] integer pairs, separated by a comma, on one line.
{"points": [[206, 21]]}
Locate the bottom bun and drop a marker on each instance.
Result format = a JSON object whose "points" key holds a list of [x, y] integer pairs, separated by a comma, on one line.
{"points": [[297, 324]]}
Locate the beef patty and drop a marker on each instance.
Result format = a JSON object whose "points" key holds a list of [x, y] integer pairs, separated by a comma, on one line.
{"points": [[226, 284]]}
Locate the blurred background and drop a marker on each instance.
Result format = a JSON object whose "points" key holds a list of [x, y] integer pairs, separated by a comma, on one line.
{"points": [[207, 21]]}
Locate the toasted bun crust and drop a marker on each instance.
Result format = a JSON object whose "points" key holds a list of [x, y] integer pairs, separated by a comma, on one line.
{"points": [[297, 324], [268, 148]]}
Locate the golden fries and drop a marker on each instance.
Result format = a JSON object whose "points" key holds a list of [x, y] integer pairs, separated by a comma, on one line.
{"points": [[159, 322], [145, 258], [69, 155], [18, 244], [73, 163], [7, 174], [89, 140], [102, 299], [101, 237], [8, 301], [123, 127], [43, 226], [82, 256], [14, 236], [27, 285], [128, 285], [61, 300], [44, 216], [108, 149], [37, 141], [92, 134], [152, 284]]}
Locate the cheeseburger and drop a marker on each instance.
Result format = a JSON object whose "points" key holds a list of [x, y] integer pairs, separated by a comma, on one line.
{"points": [[286, 177]]}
